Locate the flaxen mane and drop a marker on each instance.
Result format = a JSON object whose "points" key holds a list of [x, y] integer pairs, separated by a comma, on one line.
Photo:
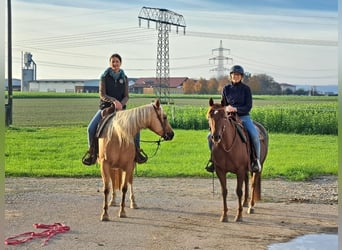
{"points": [[127, 122]]}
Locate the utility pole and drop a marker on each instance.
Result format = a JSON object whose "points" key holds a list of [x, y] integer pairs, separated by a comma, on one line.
{"points": [[164, 19], [220, 59], [9, 105]]}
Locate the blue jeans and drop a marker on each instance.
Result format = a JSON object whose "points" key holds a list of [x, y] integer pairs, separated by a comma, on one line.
{"points": [[252, 132], [92, 127]]}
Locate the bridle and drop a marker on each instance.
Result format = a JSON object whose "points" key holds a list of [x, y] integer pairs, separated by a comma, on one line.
{"points": [[227, 119], [164, 131], [161, 121]]}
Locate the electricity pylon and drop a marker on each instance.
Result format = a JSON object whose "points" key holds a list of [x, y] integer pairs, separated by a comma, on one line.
{"points": [[164, 19], [220, 59]]}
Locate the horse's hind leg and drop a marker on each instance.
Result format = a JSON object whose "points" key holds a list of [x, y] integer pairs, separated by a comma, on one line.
{"points": [[132, 198], [253, 198], [115, 176], [240, 180]]}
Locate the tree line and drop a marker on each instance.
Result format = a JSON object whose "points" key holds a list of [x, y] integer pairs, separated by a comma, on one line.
{"points": [[261, 84]]}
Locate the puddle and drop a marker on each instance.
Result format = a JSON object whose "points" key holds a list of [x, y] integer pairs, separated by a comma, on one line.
{"points": [[309, 242]]}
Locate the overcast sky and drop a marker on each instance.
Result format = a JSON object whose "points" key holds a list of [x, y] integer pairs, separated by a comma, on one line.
{"points": [[294, 41]]}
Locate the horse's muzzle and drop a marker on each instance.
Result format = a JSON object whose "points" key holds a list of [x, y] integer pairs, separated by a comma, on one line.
{"points": [[168, 136], [216, 138]]}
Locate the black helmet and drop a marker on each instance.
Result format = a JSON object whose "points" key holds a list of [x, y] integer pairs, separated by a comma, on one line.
{"points": [[237, 69]]}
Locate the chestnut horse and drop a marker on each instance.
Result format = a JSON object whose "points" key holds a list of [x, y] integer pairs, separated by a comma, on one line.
{"points": [[230, 153], [117, 148]]}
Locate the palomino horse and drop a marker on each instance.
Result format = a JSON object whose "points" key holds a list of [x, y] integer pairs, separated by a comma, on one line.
{"points": [[231, 154], [117, 148]]}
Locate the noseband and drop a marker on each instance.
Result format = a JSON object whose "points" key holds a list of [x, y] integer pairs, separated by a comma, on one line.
{"points": [[220, 135]]}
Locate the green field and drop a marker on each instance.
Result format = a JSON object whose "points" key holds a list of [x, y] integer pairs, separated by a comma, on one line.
{"points": [[48, 138]]}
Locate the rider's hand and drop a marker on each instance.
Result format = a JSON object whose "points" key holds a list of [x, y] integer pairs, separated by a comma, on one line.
{"points": [[231, 109], [118, 105]]}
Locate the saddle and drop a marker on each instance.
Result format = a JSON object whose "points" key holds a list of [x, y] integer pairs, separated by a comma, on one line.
{"points": [[244, 134], [106, 115]]}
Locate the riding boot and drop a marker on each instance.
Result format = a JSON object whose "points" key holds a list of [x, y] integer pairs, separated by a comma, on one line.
{"points": [[90, 156], [256, 166], [210, 166], [140, 156]]}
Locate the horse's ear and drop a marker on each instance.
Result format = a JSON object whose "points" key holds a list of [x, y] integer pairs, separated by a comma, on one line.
{"points": [[157, 103], [223, 101], [211, 102]]}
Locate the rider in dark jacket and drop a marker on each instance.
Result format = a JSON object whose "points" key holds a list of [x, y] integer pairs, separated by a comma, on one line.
{"points": [[238, 98]]}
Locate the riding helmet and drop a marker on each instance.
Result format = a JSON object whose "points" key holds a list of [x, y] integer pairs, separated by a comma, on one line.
{"points": [[237, 69]]}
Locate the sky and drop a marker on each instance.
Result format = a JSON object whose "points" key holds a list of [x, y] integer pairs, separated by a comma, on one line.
{"points": [[293, 41]]}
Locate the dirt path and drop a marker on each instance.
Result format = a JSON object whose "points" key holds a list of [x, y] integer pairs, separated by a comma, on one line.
{"points": [[177, 213]]}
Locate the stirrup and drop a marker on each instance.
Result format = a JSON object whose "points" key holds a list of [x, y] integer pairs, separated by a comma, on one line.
{"points": [[256, 166], [210, 167], [140, 156]]}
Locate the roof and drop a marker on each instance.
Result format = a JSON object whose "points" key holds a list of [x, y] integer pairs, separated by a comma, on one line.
{"points": [[146, 82]]}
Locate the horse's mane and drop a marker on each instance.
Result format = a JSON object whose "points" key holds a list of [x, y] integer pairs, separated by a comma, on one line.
{"points": [[127, 123]]}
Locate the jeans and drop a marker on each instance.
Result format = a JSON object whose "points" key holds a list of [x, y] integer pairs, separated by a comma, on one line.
{"points": [[92, 127], [252, 132]]}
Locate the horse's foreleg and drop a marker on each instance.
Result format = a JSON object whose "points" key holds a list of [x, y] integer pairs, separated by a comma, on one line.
{"points": [[246, 196], [106, 189], [239, 183], [223, 181], [122, 212], [132, 198]]}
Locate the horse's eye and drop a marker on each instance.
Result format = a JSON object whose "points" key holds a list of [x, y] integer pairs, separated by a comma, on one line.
{"points": [[165, 117]]}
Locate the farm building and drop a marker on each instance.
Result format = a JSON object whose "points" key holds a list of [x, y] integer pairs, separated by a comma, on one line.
{"points": [[287, 87], [136, 85], [150, 85]]}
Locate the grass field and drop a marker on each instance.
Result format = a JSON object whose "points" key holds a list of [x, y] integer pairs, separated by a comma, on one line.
{"points": [[48, 138]]}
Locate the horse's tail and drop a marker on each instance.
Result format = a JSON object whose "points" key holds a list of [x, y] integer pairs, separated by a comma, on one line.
{"points": [[257, 186]]}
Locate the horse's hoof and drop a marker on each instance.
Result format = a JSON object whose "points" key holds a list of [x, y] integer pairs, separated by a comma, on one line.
{"points": [[238, 219], [250, 210], [122, 215], [104, 218], [224, 219], [134, 206]]}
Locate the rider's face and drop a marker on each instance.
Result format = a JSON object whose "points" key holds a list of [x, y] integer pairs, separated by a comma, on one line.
{"points": [[235, 77]]}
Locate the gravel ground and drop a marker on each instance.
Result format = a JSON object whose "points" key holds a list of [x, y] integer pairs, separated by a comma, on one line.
{"points": [[174, 213]]}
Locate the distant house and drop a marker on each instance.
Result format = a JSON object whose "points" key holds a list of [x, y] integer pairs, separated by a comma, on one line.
{"points": [[59, 86], [287, 87], [136, 85], [16, 84], [150, 85]]}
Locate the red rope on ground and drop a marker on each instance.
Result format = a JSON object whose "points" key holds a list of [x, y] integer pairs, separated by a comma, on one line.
{"points": [[51, 230]]}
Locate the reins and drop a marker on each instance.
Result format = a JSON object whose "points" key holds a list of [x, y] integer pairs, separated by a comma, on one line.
{"points": [[160, 140], [158, 145], [49, 232], [234, 139]]}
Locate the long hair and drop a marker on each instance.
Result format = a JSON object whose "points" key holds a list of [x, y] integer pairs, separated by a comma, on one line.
{"points": [[127, 123]]}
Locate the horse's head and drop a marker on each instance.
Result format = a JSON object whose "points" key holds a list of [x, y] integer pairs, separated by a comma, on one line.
{"points": [[160, 124], [217, 117]]}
